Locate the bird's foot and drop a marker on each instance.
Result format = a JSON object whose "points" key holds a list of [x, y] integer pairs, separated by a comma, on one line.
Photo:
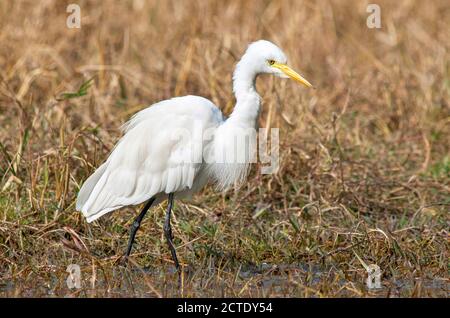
{"points": [[123, 260]]}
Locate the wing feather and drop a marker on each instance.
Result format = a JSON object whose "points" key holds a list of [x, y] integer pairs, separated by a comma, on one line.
{"points": [[146, 161]]}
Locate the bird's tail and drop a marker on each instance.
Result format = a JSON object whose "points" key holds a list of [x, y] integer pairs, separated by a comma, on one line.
{"points": [[87, 189]]}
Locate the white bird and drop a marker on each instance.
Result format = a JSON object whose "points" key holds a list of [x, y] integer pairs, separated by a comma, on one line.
{"points": [[149, 164]]}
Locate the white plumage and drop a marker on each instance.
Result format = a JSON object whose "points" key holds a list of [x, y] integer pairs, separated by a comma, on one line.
{"points": [[158, 153], [146, 161]]}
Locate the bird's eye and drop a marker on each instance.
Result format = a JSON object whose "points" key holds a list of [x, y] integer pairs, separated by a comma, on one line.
{"points": [[271, 62]]}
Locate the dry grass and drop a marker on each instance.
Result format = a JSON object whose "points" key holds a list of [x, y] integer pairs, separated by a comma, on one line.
{"points": [[365, 167]]}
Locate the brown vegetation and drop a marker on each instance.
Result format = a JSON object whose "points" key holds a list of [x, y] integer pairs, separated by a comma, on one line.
{"points": [[365, 165]]}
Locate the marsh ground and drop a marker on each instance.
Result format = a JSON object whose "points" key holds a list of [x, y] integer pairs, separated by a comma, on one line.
{"points": [[364, 170]]}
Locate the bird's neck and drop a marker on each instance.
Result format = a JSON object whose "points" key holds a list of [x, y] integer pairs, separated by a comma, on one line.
{"points": [[248, 101]]}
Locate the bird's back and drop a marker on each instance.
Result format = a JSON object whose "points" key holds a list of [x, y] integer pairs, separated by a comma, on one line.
{"points": [[160, 152]]}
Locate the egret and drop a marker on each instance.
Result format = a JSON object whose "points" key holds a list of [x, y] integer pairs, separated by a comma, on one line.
{"points": [[149, 165]]}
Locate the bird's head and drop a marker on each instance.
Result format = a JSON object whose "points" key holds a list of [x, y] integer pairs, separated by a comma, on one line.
{"points": [[265, 57]]}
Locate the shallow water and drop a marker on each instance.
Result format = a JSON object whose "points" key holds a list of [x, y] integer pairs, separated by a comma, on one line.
{"points": [[285, 280]]}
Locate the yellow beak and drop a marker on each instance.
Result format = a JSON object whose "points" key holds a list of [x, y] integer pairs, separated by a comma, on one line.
{"points": [[292, 74]]}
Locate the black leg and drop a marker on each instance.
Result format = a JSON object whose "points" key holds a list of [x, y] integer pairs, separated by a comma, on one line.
{"points": [[136, 224], [168, 232]]}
